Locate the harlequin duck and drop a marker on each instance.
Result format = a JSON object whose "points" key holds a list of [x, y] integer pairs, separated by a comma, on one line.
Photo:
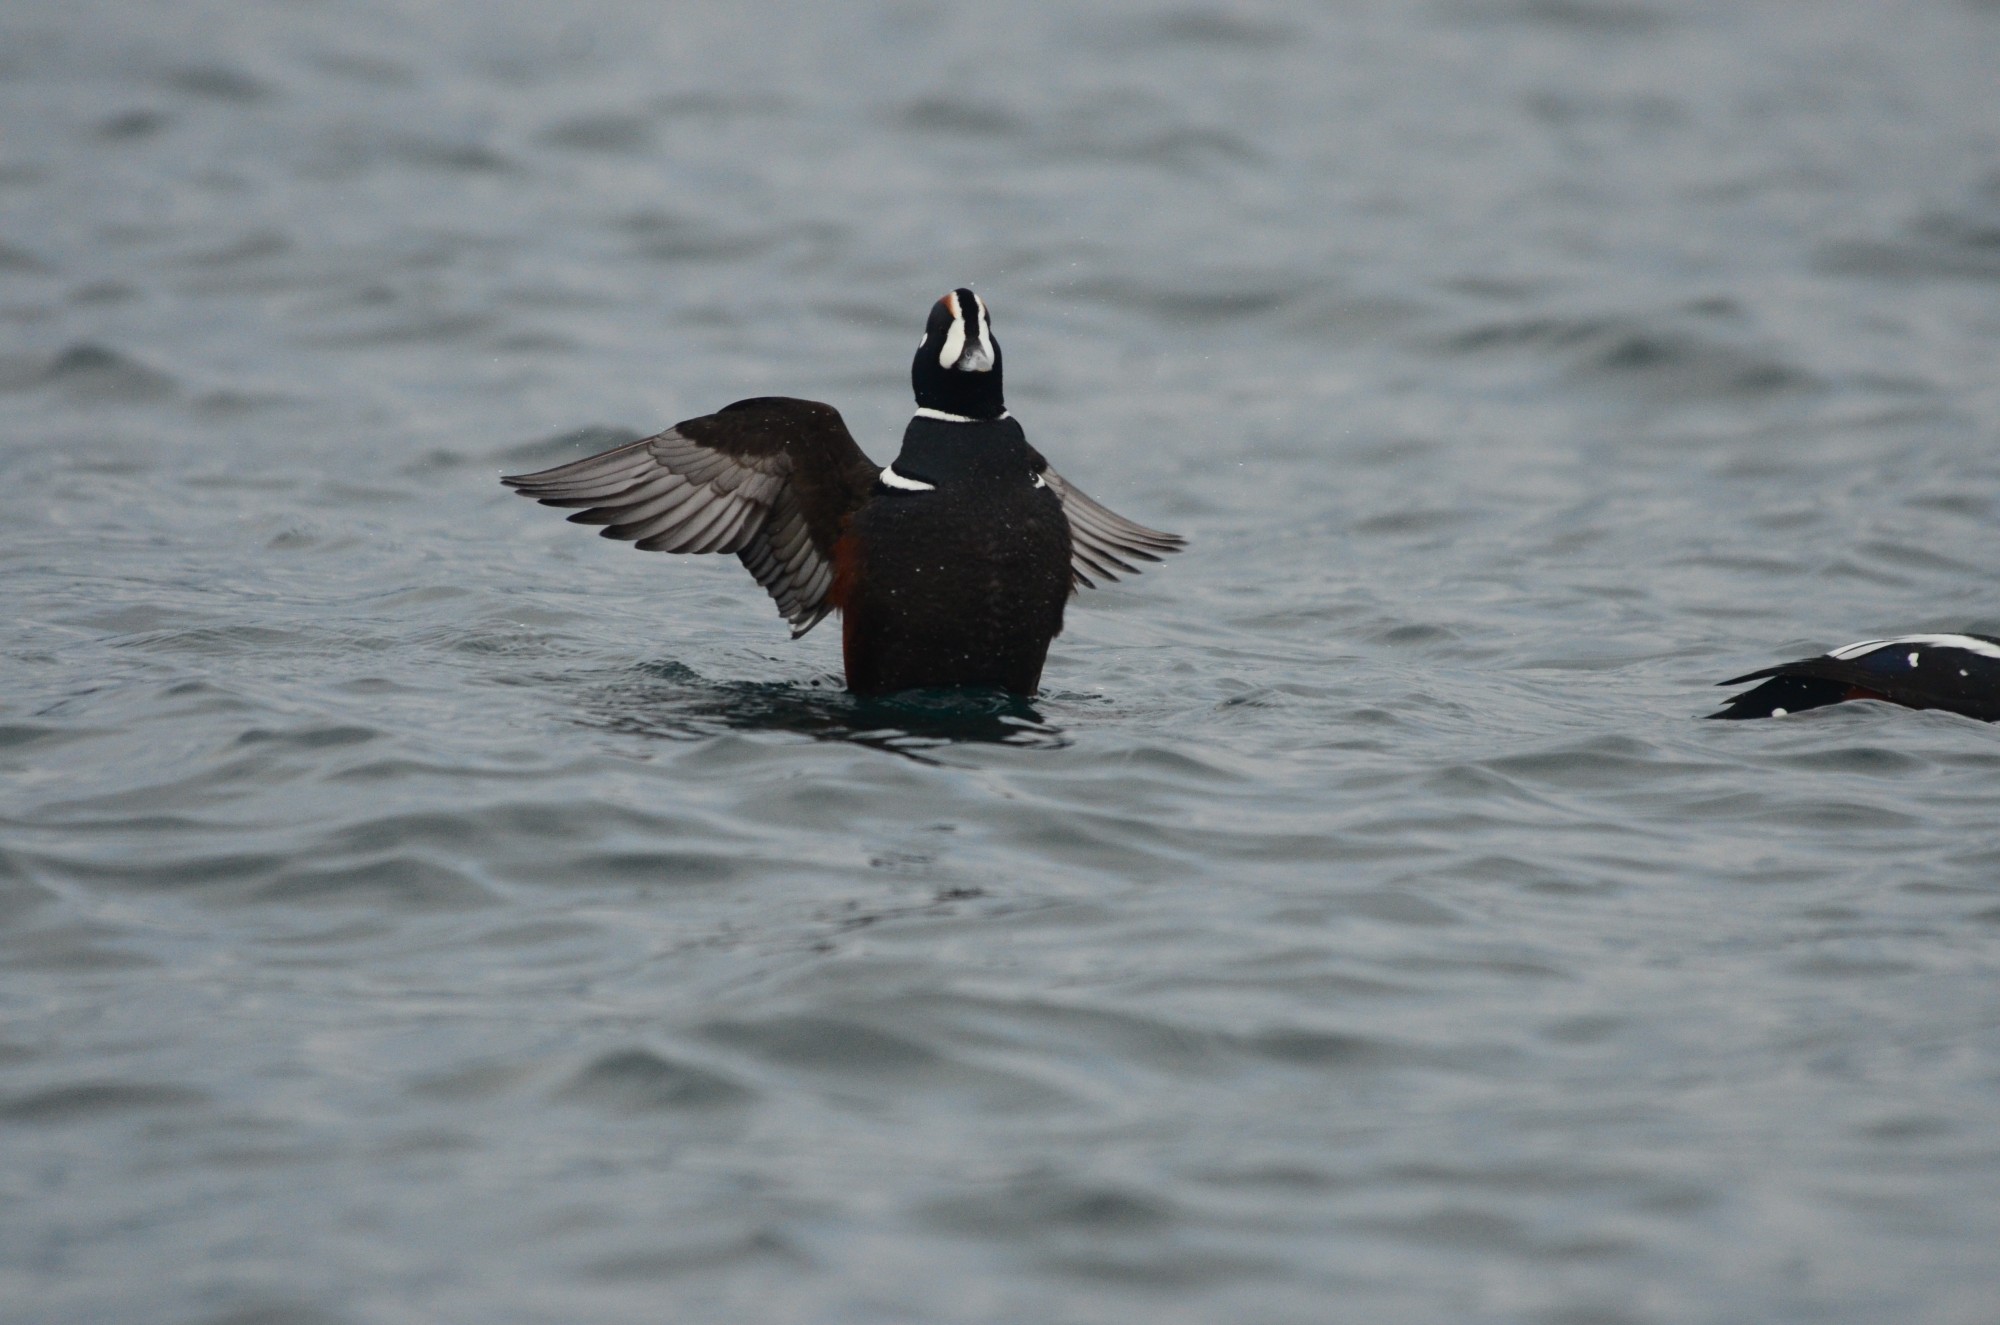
{"points": [[1958, 673], [950, 567]]}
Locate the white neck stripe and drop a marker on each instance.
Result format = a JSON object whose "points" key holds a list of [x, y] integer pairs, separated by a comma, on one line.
{"points": [[926, 412], [891, 479]]}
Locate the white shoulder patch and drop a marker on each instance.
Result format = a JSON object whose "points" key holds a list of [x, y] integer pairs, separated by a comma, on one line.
{"points": [[1984, 648], [891, 479]]}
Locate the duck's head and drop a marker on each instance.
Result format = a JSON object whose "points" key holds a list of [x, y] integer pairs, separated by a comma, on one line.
{"points": [[957, 368]]}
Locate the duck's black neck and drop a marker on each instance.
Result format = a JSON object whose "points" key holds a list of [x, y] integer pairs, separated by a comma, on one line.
{"points": [[935, 451]]}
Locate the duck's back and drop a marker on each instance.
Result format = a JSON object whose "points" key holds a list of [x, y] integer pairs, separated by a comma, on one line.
{"points": [[957, 570]]}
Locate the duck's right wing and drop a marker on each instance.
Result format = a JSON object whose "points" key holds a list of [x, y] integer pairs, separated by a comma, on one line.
{"points": [[771, 479]]}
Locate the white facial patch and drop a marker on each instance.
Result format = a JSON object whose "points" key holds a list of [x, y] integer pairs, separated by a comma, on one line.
{"points": [[1984, 648], [891, 479], [975, 356], [954, 340]]}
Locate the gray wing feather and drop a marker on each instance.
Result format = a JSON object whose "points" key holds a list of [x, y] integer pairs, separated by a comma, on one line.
{"points": [[782, 557], [671, 493], [640, 506], [1102, 542]]}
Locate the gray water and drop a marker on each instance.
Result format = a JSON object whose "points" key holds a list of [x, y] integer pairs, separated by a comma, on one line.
{"points": [[413, 909]]}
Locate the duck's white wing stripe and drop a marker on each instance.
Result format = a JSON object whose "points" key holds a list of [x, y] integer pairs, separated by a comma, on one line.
{"points": [[1970, 643]]}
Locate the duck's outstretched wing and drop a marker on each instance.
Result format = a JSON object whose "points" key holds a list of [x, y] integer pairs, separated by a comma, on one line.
{"points": [[1959, 673], [1102, 542], [771, 479]]}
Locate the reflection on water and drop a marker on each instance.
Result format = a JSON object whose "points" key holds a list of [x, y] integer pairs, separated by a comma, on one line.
{"points": [[670, 700]]}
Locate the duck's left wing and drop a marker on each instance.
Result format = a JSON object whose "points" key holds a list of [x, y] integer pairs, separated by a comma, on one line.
{"points": [[1102, 542]]}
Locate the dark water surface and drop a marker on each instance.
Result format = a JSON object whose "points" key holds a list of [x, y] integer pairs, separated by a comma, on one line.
{"points": [[413, 909]]}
